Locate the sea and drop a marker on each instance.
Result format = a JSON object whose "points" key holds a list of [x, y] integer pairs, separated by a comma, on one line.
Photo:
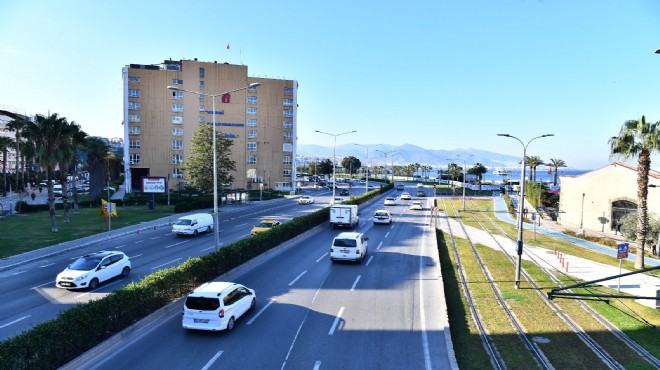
{"points": [[542, 175]]}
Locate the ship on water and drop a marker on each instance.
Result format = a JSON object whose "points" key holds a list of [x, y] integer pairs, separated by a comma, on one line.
{"points": [[502, 172]]}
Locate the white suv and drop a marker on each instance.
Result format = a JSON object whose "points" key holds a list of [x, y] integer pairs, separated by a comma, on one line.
{"points": [[217, 306], [350, 246], [94, 268]]}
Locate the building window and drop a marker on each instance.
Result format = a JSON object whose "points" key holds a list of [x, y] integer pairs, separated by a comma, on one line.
{"points": [[173, 67], [134, 130], [177, 158], [177, 107], [251, 146], [133, 79], [286, 173], [252, 89], [288, 113], [251, 134], [177, 120], [134, 158], [251, 159], [133, 143], [288, 102], [177, 173], [133, 118], [201, 119], [252, 122], [288, 89], [287, 147], [201, 84], [288, 135], [286, 159], [177, 82], [177, 131], [252, 111], [288, 124], [201, 107], [177, 144], [201, 72], [133, 93], [177, 95], [252, 100], [134, 105]]}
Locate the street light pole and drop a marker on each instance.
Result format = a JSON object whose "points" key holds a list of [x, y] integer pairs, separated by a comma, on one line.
{"points": [[391, 153], [215, 155], [521, 200], [581, 231], [464, 177], [366, 186], [334, 159]]}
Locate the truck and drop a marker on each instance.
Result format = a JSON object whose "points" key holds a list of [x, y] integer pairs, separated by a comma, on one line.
{"points": [[193, 224], [344, 215]]}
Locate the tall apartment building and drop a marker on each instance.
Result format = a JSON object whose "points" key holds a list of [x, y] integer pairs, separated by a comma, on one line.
{"points": [[160, 123]]}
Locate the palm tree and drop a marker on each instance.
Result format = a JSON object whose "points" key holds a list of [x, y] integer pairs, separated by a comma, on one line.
{"points": [[533, 162], [5, 144], [73, 136], [640, 139], [46, 132], [478, 170], [556, 163], [17, 126], [96, 150]]}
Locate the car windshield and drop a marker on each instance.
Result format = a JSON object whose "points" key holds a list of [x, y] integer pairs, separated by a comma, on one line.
{"points": [[85, 263], [345, 243], [203, 303], [183, 222], [264, 224]]}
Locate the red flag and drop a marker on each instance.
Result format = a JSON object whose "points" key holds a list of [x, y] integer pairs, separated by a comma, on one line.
{"points": [[549, 171], [227, 46]]}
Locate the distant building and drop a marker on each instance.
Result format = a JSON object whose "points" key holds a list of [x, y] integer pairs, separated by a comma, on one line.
{"points": [[159, 123], [597, 200], [6, 117]]}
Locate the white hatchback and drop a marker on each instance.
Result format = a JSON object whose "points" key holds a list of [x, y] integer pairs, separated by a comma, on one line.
{"points": [[306, 199], [92, 269], [389, 201], [416, 206], [217, 306], [382, 216], [405, 196]]}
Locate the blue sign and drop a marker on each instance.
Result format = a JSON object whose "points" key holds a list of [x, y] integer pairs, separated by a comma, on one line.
{"points": [[216, 112], [622, 250]]}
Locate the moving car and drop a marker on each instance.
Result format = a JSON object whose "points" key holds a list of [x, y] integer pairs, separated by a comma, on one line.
{"points": [[217, 305], [92, 269], [306, 199], [400, 187], [420, 193], [350, 246], [193, 224], [405, 196], [389, 201], [420, 185], [416, 205], [382, 216], [344, 192], [264, 225]]}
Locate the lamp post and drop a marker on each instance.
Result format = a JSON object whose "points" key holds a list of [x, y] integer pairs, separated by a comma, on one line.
{"points": [[521, 200], [464, 177], [334, 159], [391, 153], [581, 231], [366, 186], [215, 154]]}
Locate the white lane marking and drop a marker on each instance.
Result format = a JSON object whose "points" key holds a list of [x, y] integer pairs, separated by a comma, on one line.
{"points": [[18, 273], [334, 325], [356, 281], [317, 365], [211, 247], [136, 256], [323, 256], [166, 263], [369, 260], [121, 246], [14, 322], [175, 244], [241, 225], [297, 277], [212, 360], [39, 286], [50, 264], [260, 312], [387, 234], [138, 241], [422, 314], [154, 237], [378, 247]]}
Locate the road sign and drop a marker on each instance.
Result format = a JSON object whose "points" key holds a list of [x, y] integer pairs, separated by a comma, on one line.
{"points": [[622, 252]]}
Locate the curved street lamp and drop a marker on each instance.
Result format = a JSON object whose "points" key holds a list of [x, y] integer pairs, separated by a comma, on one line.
{"points": [[334, 159], [521, 204], [366, 186], [391, 153], [215, 154]]}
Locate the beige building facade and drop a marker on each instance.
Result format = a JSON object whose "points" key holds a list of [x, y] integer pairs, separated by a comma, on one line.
{"points": [[597, 200], [159, 124]]}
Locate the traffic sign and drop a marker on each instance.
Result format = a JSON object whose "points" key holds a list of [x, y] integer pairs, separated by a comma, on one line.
{"points": [[623, 249]]}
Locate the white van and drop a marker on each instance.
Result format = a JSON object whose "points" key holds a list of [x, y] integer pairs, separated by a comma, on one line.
{"points": [[217, 306], [193, 224]]}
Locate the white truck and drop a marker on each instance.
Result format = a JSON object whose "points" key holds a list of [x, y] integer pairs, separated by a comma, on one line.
{"points": [[344, 215], [193, 224]]}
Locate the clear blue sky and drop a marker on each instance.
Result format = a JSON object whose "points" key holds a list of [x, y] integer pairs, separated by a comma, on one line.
{"points": [[440, 74]]}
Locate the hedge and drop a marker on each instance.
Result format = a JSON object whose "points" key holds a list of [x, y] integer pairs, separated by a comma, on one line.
{"points": [[56, 342]]}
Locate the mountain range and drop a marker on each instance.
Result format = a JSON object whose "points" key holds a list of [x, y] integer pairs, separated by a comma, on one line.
{"points": [[408, 153]]}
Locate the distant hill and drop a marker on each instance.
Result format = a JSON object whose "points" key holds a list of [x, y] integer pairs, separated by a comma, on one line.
{"points": [[408, 153]]}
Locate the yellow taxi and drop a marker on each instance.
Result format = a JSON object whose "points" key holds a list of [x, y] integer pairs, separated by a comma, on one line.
{"points": [[264, 225]]}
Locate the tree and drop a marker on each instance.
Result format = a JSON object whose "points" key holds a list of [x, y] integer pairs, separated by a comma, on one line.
{"points": [[198, 168], [638, 138], [533, 162], [73, 138], [17, 126], [555, 164], [5, 144], [629, 226], [351, 163], [96, 150], [325, 167], [478, 170]]}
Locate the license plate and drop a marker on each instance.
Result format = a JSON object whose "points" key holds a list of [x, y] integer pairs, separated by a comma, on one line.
{"points": [[344, 251], [65, 284], [201, 321]]}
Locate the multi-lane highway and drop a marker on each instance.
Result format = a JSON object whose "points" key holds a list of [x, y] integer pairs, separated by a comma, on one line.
{"points": [[386, 312]]}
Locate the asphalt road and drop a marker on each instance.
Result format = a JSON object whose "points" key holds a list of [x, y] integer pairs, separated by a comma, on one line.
{"points": [[384, 313]]}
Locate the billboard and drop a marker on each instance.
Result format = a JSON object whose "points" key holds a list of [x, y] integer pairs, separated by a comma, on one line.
{"points": [[153, 185]]}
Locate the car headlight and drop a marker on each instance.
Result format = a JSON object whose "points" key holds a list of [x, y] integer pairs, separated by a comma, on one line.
{"points": [[82, 277]]}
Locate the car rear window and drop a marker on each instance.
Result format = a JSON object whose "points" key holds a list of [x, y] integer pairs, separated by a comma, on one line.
{"points": [[345, 243], [203, 303], [381, 214]]}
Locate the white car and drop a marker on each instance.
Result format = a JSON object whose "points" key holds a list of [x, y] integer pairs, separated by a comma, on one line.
{"points": [[306, 199], [416, 206], [420, 185], [389, 201], [92, 269], [217, 305], [405, 196], [382, 216], [350, 246]]}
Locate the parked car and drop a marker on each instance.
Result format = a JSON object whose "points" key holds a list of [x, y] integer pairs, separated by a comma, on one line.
{"points": [[416, 205], [405, 196], [264, 225], [382, 216], [389, 201], [92, 269], [306, 199], [350, 246], [217, 305]]}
